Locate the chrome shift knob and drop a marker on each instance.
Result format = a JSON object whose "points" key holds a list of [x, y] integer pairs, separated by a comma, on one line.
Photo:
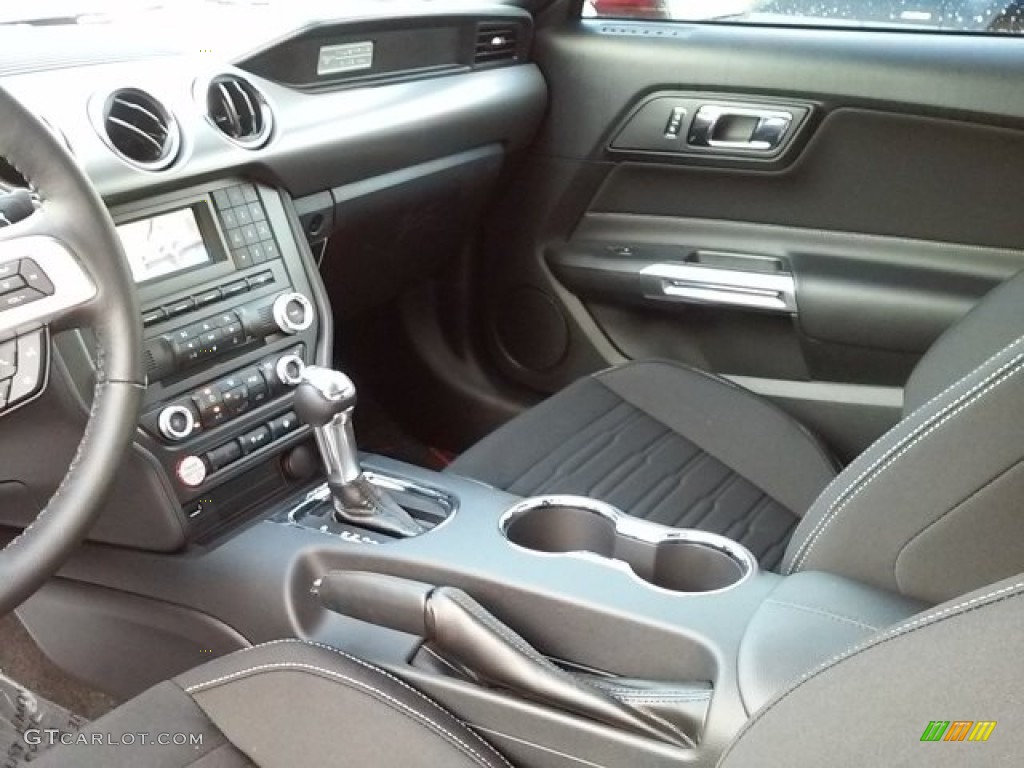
{"points": [[324, 399]]}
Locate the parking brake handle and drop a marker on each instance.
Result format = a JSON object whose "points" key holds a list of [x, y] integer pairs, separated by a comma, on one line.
{"points": [[474, 641]]}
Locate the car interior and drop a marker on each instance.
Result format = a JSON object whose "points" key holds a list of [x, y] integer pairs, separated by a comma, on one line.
{"points": [[492, 384]]}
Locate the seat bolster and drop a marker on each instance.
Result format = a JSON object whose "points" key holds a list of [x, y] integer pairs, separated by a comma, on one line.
{"points": [[292, 703], [752, 436], [924, 511]]}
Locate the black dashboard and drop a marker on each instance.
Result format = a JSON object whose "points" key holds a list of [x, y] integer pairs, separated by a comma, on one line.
{"points": [[219, 175]]}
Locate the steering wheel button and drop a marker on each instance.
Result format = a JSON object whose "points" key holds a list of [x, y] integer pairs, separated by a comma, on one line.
{"points": [[19, 297], [8, 358], [191, 471], [9, 269], [9, 284], [35, 277]]}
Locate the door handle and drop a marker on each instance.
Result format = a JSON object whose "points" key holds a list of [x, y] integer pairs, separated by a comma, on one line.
{"points": [[727, 287], [725, 127]]}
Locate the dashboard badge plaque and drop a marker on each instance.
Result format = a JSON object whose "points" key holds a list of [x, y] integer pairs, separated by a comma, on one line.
{"points": [[350, 57]]}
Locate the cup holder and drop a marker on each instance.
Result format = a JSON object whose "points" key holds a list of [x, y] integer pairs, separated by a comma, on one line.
{"points": [[673, 559]]}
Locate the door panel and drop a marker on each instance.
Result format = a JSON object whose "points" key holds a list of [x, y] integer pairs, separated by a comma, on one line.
{"points": [[888, 210]]}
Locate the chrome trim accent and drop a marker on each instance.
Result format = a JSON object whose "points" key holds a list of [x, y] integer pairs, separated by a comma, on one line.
{"points": [[771, 122], [97, 109], [167, 429], [321, 495], [280, 310], [72, 284], [281, 369], [775, 292], [201, 89], [634, 528]]}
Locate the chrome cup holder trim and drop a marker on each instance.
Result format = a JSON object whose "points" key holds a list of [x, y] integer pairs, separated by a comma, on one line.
{"points": [[634, 528]]}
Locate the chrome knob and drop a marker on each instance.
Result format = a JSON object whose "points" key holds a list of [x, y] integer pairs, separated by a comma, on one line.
{"points": [[289, 369], [176, 422], [293, 312]]}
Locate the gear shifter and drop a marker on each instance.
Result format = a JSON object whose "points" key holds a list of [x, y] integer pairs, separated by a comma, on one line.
{"points": [[325, 399]]}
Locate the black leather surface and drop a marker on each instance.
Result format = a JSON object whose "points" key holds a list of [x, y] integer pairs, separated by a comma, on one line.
{"points": [[73, 212], [591, 440]]}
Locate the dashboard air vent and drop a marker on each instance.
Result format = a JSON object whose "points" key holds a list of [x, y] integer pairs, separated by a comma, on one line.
{"points": [[140, 129], [496, 42], [239, 111]]}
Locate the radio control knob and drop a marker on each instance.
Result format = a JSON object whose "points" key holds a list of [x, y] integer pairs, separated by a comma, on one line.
{"points": [[289, 370], [293, 312], [176, 422]]}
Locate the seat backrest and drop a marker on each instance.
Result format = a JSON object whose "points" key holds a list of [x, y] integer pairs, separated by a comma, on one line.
{"points": [[942, 689], [933, 509]]}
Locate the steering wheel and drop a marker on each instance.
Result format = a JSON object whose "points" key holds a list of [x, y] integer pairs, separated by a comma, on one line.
{"points": [[71, 239]]}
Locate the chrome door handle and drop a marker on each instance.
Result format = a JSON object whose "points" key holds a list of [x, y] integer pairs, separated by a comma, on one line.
{"points": [[761, 130], [690, 283]]}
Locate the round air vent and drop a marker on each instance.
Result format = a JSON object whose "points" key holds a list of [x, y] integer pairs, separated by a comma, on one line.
{"points": [[139, 129], [239, 111]]}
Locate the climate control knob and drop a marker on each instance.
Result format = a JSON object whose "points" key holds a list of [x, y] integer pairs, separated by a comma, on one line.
{"points": [[289, 370], [293, 312], [176, 422]]}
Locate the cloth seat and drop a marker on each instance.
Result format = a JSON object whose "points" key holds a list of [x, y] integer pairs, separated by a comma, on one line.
{"points": [[915, 513], [669, 444]]}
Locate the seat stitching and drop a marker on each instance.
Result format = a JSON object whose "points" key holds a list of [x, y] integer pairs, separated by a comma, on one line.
{"points": [[920, 408], [963, 402], [1004, 593], [823, 612], [392, 701], [372, 668]]}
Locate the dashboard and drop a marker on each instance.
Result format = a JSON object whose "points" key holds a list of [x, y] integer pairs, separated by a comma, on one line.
{"points": [[219, 175]]}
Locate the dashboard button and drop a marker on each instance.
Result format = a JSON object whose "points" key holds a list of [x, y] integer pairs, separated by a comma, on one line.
{"points": [[249, 193], [236, 196], [256, 254], [229, 219], [152, 317], [235, 288], [179, 307], [9, 269], [176, 422], [221, 198], [207, 297], [242, 257], [191, 471], [236, 400], [243, 216], [270, 249], [225, 318], [224, 455], [35, 277], [235, 239], [282, 425], [260, 280], [253, 441], [250, 235], [256, 212]]}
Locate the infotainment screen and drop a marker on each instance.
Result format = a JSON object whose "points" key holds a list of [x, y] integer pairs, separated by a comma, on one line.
{"points": [[163, 245]]}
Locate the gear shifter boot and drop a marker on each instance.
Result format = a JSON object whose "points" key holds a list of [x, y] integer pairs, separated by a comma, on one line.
{"points": [[361, 503]]}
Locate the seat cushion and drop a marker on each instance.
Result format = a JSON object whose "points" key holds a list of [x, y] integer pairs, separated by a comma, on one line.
{"points": [[278, 705], [668, 444]]}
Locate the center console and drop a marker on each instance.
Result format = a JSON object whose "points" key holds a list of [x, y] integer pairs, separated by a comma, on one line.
{"points": [[230, 320]]}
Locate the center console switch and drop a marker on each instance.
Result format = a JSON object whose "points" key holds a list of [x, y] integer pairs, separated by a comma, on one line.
{"points": [[222, 400]]}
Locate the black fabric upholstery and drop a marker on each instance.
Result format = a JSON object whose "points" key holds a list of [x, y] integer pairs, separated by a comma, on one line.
{"points": [[667, 444], [287, 704]]}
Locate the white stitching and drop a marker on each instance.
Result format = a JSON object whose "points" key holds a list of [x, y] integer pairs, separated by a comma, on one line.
{"points": [[964, 401], [310, 667], [377, 670], [822, 612], [865, 645]]}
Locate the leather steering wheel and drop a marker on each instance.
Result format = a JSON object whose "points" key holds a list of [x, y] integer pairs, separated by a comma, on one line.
{"points": [[71, 237]]}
